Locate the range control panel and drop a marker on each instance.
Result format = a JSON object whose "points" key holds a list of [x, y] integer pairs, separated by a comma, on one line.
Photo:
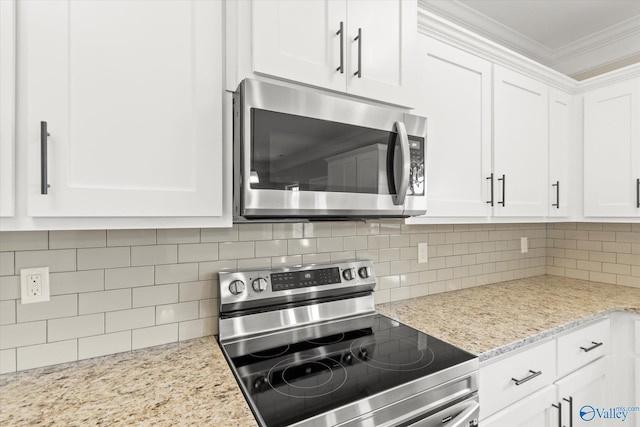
{"points": [[254, 286], [302, 279]]}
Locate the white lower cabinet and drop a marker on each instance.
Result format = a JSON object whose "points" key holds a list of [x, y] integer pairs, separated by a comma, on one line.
{"points": [[584, 392], [564, 381], [535, 410]]}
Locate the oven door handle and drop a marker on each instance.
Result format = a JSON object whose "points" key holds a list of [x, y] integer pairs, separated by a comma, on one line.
{"points": [[463, 418], [401, 166]]}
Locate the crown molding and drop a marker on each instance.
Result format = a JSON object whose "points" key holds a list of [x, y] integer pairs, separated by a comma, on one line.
{"points": [[433, 25], [611, 77], [616, 38], [489, 28]]}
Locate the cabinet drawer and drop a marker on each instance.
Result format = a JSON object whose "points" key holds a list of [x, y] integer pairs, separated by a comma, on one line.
{"points": [[516, 376], [580, 347]]}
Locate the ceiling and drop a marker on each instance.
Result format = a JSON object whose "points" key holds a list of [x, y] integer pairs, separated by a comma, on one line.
{"points": [[579, 38]]}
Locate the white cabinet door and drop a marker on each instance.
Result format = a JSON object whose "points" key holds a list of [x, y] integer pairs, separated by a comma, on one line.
{"points": [[560, 153], [300, 40], [132, 96], [584, 393], [612, 150], [520, 144], [7, 106], [535, 410], [381, 62], [455, 95]]}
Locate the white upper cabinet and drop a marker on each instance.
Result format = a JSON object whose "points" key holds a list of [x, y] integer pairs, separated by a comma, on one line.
{"points": [[520, 112], [7, 106], [131, 93], [560, 153], [612, 150], [362, 48], [455, 95], [300, 40]]}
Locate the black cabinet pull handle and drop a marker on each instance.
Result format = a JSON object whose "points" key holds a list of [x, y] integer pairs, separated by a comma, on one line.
{"points": [[559, 407], [594, 346], [44, 134], [341, 33], [570, 400], [490, 178], [359, 39], [504, 189], [525, 379], [638, 193], [557, 203]]}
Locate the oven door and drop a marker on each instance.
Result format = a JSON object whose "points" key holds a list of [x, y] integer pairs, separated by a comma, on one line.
{"points": [[303, 154]]}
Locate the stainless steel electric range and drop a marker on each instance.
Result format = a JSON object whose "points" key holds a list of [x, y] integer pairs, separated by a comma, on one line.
{"points": [[308, 349]]}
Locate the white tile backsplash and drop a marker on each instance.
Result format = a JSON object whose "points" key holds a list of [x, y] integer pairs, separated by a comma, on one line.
{"points": [[136, 288]]}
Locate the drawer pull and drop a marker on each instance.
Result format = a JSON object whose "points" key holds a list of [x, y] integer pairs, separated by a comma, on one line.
{"points": [[594, 346], [559, 408], [525, 379], [570, 400]]}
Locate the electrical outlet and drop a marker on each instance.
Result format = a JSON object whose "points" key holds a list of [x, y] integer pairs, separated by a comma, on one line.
{"points": [[422, 253], [34, 285], [524, 245]]}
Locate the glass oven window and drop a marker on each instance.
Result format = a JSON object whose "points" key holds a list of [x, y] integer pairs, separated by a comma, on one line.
{"points": [[298, 153]]}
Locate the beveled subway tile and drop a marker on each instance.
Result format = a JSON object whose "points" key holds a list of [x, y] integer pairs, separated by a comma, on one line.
{"points": [[271, 248], [102, 345], [7, 260], [219, 234], [155, 295], [288, 231], [193, 291], [23, 240], [178, 235], [253, 232], [76, 281], [23, 334], [9, 287], [153, 336], [92, 259], [254, 264], [130, 319], [75, 327], [129, 277], [197, 328], [197, 252], [8, 312], [77, 239], [178, 312], [47, 354], [131, 237], [316, 229], [175, 273], [98, 302], [236, 250], [7, 361], [301, 246], [154, 255], [57, 260], [57, 306]]}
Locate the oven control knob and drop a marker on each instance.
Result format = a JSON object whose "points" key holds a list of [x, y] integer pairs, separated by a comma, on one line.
{"points": [[259, 285], [364, 272], [261, 383], [348, 359], [364, 354], [348, 274], [236, 287]]}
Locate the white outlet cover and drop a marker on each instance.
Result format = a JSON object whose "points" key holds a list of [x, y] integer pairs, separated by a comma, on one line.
{"points": [[524, 245], [422, 253], [44, 295]]}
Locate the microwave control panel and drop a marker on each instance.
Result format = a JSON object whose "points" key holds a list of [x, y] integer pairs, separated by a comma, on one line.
{"points": [[417, 165]]}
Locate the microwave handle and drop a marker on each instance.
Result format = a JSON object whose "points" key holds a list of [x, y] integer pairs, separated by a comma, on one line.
{"points": [[401, 170]]}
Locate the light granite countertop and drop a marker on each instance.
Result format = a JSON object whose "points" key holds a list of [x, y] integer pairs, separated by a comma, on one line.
{"points": [[494, 319], [189, 383]]}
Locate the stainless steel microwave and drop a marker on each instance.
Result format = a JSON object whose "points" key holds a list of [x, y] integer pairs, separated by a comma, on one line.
{"points": [[300, 154]]}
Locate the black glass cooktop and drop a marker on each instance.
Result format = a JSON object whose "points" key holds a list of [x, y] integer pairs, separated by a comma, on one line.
{"points": [[295, 375]]}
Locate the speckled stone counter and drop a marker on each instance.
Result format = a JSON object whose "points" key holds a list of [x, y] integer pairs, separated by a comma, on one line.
{"points": [[494, 319], [176, 384], [190, 383]]}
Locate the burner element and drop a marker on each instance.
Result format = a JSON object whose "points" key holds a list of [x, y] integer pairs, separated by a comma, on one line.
{"points": [[270, 352], [392, 353], [307, 378], [330, 339]]}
